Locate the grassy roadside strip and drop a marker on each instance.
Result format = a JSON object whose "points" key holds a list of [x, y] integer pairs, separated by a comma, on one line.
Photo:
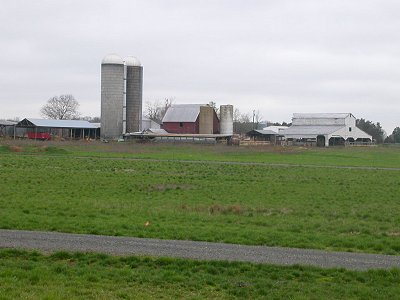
{"points": [[92, 276]]}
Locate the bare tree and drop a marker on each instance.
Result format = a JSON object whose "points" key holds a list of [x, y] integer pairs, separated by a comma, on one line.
{"points": [[214, 106], [236, 115], [63, 107], [167, 104], [257, 118], [152, 110], [245, 118], [156, 110]]}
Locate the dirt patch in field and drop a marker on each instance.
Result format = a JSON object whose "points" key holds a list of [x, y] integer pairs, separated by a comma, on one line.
{"points": [[236, 209], [168, 187], [43, 148], [394, 233], [13, 148]]}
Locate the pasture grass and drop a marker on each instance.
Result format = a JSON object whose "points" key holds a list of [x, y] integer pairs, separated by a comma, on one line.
{"points": [[376, 156], [305, 207], [62, 275]]}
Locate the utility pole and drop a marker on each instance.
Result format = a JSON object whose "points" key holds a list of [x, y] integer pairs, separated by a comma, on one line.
{"points": [[254, 114]]}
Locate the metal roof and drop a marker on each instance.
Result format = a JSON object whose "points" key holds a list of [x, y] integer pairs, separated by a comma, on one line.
{"points": [[7, 123], [320, 115], [276, 129], [29, 122], [156, 131], [310, 130], [182, 113], [263, 132]]}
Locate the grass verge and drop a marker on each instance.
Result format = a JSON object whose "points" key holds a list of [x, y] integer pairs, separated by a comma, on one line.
{"points": [[92, 276]]}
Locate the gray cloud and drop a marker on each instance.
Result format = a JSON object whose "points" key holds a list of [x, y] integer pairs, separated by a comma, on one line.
{"points": [[276, 56]]}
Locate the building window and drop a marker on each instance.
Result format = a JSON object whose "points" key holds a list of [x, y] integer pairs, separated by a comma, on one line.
{"points": [[349, 128], [180, 124]]}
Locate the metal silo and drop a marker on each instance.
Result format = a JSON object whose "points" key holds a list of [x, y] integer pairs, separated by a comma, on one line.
{"points": [[226, 119], [134, 85], [112, 96]]}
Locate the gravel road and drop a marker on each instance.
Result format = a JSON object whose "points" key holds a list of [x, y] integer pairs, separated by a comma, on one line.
{"points": [[54, 241]]}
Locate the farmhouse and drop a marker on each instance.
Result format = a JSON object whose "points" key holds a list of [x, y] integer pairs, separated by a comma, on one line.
{"points": [[191, 119], [325, 129]]}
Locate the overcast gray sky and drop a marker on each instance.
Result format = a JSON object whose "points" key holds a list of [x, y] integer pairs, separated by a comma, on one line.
{"points": [[279, 57]]}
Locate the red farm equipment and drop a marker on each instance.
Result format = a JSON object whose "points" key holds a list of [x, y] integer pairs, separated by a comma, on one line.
{"points": [[39, 136]]}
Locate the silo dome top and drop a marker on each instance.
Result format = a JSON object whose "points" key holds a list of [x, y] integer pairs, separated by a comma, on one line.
{"points": [[132, 61], [112, 59]]}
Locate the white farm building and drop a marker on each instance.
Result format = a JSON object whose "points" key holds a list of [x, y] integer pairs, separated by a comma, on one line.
{"points": [[325, 129]]}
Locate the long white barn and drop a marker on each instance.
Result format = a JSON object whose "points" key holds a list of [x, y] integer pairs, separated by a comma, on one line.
{"points": [[325, 128]]}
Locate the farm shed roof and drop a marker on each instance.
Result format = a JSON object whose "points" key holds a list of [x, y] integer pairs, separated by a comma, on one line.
{"points": [[262, 132], [182, 113], [7, 123], [314, 130], [156, 131], [56, 123], [320, 115], [275, 128]]}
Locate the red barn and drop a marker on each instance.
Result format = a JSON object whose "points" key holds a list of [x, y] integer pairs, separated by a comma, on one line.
{"points": [[191, 119]]}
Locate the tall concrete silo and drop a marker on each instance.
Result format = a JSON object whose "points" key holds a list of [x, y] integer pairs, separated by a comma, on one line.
{"points": [[206, 120], [226, 119], [112, 96], [134, 87]]}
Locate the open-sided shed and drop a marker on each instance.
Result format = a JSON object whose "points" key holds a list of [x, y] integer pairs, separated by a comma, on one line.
{"points": [[7, 128], [262, 135], [325, 129], [44, 129]]}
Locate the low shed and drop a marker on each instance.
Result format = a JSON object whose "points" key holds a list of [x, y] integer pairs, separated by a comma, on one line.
{"points": [[263, 135], [7, 128], [45, 129]]}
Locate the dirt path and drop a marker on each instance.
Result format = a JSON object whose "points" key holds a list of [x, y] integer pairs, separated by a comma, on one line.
{"points": [[54, 241]]}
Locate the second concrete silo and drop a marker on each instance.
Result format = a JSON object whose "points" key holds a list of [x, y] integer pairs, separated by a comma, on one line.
{"points": [[112, 96], [226, 119], [206, 120], [134, 87]]}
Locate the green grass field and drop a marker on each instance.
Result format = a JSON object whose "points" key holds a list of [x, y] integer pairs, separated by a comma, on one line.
{"points": [[98, 188], [49, 188], [352, 156], [30, 275]]}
